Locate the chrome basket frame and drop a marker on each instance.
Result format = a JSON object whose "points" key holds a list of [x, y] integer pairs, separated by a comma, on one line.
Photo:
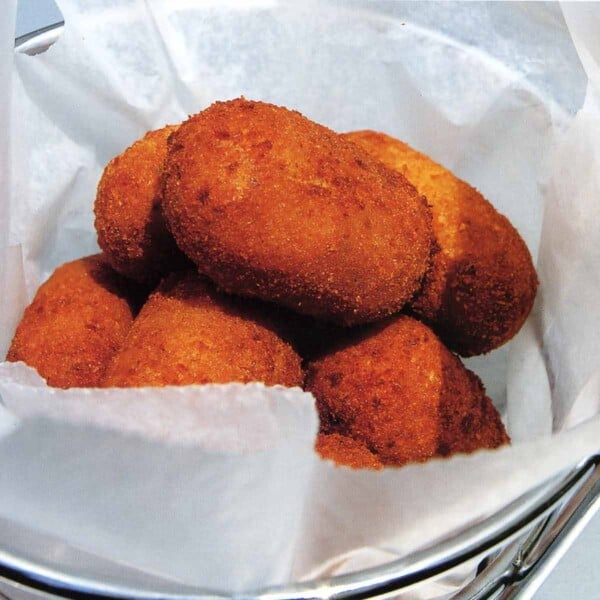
{"points": [[517, 546]]}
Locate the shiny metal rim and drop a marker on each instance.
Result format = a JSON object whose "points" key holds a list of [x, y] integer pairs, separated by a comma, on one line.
{"points": [[39, 40], [533, 531]]}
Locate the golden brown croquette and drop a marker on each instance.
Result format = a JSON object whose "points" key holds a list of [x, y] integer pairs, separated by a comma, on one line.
{"points": [[76, 322], [482, 283], [271, 205], [129, 222], [188, 333], [396, 388]]}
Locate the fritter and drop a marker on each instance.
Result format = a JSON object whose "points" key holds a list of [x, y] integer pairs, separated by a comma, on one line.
{"points": [[188, 333], [483, 283], [76, 322], [396, 388], [345, 451], [271, 205], [129, 222]]}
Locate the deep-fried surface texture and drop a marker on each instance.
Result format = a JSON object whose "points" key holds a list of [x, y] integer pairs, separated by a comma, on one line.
{"points": [[76, 322], [188, 333], [272, 205], [483, 282], [396, 388], [129, 221], [346, 451]]}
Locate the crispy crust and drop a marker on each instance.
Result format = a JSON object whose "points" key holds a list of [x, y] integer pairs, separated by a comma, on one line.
{"points": [[396, 388], [483, 283], [129, 221], [187, 333], [272, 205], [345, 451], [76, 322]]}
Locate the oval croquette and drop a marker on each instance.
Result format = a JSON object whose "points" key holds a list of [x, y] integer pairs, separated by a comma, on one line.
{"points": [[76, 322], [396, 388], [482, 283], [129, 222], [188, 333], [272, 205]]}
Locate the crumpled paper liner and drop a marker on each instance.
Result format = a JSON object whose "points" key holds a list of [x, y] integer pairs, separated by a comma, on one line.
{"points": [[218, 486]]}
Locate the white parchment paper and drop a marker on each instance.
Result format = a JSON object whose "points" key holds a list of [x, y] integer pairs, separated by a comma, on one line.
{"points": [[218, 486]]}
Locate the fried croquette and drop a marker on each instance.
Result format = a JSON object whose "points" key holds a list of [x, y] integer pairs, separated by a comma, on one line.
{"points": [[345, 451], [271, 205], [129, 222], [396, 388], [188, 333], [76, 322], [482, 283]]}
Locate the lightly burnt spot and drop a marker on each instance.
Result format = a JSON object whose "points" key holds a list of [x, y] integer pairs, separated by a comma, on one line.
{"points": [[443, 449], [174, 146], [467, 424], [203, 195], [264, 146], [335, 379]]}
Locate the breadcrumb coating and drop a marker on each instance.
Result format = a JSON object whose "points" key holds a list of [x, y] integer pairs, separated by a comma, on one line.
{"points": [[482, 283], [345, 451], [396, 388], [129, 222], [76, 322], [188, 333], [272, 205]]}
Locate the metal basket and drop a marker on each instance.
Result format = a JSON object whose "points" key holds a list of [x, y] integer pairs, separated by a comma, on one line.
{"points": [[515, 548]]}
